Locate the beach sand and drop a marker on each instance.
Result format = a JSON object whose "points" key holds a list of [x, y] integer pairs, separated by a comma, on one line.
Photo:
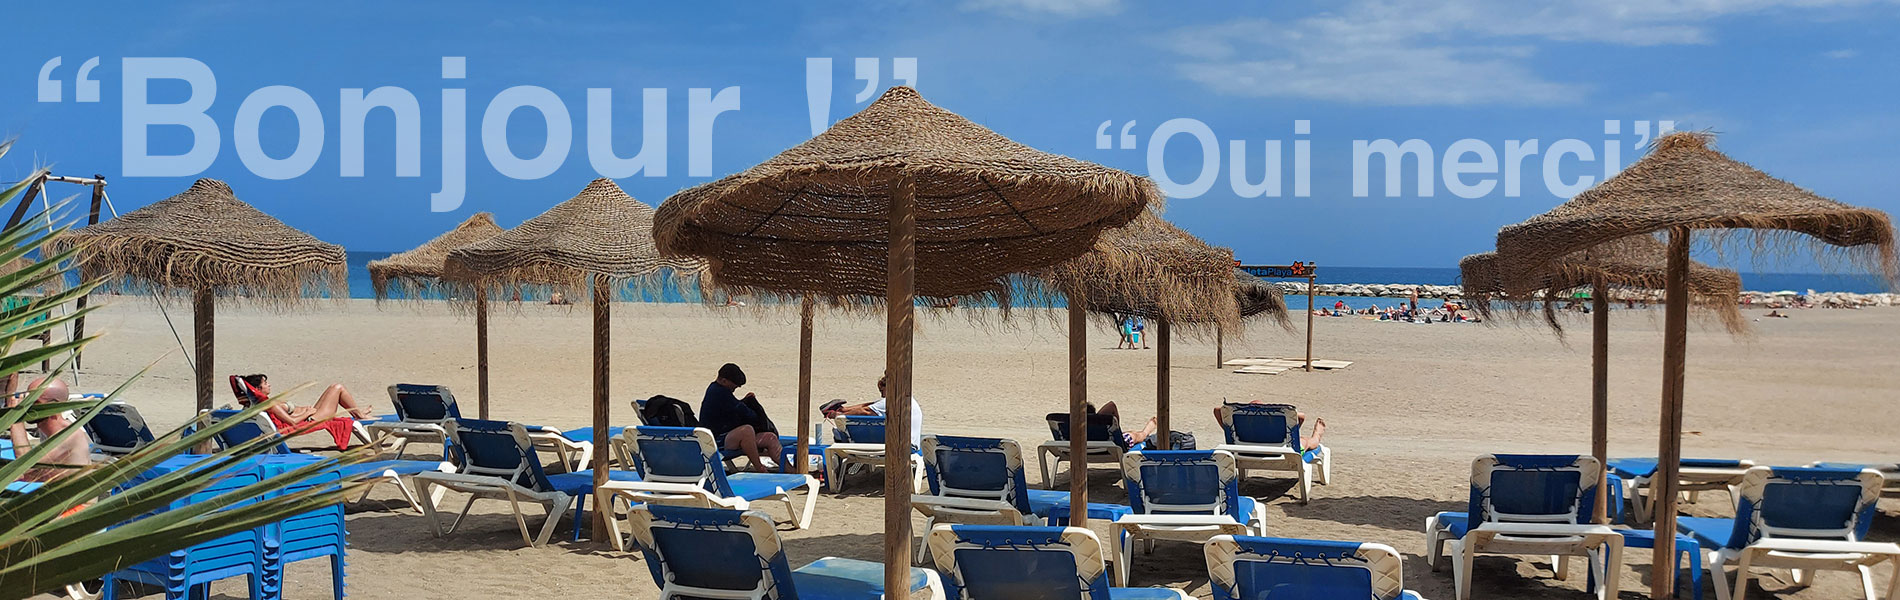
{"points": [[1405, 420]]}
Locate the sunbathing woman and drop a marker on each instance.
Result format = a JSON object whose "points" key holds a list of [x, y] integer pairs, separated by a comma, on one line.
{"points": [[291, 419]]}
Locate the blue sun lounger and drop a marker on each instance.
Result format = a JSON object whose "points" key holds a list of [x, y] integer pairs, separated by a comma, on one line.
{"points": [[724, 553], [1801, 518], [992, 562], [1524, 504], [421, 411], [377, 471], [980, 481], [1267, 436], [680, 465], [1694, 476], [859, 439], [498, 462], [118, 430], [1243, 567], [1185, 495]]}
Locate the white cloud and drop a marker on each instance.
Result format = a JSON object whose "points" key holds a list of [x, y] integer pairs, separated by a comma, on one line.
{"points": [[1447, 52], [1058, 8], [1842, 54]]}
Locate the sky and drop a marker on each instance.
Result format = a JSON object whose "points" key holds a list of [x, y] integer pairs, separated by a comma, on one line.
{"points": [[1802, 89]]}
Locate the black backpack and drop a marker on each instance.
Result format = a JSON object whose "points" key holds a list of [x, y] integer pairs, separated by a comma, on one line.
{"points": [[662, 411]]}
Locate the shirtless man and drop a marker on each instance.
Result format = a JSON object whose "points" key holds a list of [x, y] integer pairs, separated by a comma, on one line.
{"points": [[72, 454]]}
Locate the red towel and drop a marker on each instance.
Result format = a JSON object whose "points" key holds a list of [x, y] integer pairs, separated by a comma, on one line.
{"points": [[339, 428]]}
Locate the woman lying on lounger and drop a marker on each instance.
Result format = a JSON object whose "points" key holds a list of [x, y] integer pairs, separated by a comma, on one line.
{"points": [[291, 419]]}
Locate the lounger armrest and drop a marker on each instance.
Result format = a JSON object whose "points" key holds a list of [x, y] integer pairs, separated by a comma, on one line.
{"points": [[1888, 549], [855, 447], [1256, 449], [1178, 520], [1545, 529], [653, 487], [952, 502]]}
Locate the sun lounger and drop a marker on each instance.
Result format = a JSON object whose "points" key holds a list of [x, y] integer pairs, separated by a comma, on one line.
{"points": [[1267, 436], [498, 461], [724, 553], [421, 411], [860, 441], [378, 471], [1888, 471], [341, 429], [1696, 475], [683, 461], [980, 481], [1246, 567], [1104, 444], [1801, 518], [1528, 505], [989, 562], [1187, 495], [118, 430]]}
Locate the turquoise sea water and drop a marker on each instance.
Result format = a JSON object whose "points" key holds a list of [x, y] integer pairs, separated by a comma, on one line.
{"points": [[1766, 282]]}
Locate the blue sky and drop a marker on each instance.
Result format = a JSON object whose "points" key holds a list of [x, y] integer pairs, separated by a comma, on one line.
{"points": [[1801, 88]]}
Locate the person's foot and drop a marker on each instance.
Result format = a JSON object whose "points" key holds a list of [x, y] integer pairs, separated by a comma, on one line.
{"points": [[1319, 429], [362, 412]]}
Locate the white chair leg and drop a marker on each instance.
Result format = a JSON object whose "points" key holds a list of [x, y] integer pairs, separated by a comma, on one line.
{"points": [[1325, 465], [1717, 574], [1561, 566], [463, 515], [1306, 482], [406, 494], [1742, 575], [1461, 569], [423, 488], [1607, 581], [1042, 462], [556, 511], [1893, 580], [1434, 544], [1866, 581], [922, 556], [803, 517]]}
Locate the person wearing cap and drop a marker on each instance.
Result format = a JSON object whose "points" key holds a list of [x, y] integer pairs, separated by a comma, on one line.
{"points": [[73, 454], [731, 419], [877, 408]]}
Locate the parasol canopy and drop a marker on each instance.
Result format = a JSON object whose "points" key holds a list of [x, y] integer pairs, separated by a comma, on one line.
{"points": [[599, 232], [421, 269], [1632, 263], [1153, 269]]}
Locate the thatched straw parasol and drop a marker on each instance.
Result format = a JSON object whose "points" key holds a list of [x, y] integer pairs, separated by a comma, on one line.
{"points": [[423, 269], [206, 240], [1257, 297], [901, 199], [601, 238], [1152, 269], [1683, 185]]}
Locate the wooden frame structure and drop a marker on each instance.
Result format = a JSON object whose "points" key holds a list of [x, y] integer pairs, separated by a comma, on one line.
{"points": [[1297, 270]]}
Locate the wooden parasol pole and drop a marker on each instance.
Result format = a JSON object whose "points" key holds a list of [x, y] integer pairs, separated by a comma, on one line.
{"points": [[1309, 322], [1600, 394], [601, 441], [901, 300], [1669, 454], [92, 218], [802, 461], [203, 317], [1220, 344], [481, 351], [1078, 411], [1161, 384]]}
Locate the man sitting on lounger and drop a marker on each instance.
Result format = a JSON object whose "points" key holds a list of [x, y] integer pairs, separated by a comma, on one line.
{"points": [[1306, 442], [72, 455], [877, 408], [732, 420]]}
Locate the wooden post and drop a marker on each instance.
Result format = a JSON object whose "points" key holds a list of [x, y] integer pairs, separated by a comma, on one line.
{"points": [[1600, 393], [1219, 346], [1309, 322], [481, 352], [901, 301], [1669, 454], [1161, 384], [92, 218], [1078, 412], [203, 317], [601, 441], [802, 460]]}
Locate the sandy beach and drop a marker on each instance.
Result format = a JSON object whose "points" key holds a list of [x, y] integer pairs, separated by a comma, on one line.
{"points": [[1405, 420]]}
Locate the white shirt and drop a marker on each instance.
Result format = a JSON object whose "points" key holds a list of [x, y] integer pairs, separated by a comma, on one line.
{"points": [[916, 420]]}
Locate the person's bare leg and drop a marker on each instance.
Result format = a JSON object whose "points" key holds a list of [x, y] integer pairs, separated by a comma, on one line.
{"points": [[1109, 409], [1319, 431], [770, 444], [743, 439], [326, 406], [347, 401]]}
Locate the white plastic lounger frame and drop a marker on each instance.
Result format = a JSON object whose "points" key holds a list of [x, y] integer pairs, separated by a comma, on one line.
{"points": [[1099, 451], [571, 455], [1183, 522], [969, 507], [767, 567], [480, 482], [1090, 564], [696, 489], [1560, 532], [1384, 568], [1803, 550], [1693, 479], [1286, 455], [839, 456], [410, 428]]}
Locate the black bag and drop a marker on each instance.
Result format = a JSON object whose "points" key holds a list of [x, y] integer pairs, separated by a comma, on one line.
{"points": [[662, 411], [764, 423], [1180, 440]]}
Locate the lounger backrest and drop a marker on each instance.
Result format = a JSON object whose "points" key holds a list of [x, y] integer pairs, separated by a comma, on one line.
{"points": [[972, 467], [118, 429], [1263, 424], [418, 403], [1805, 502], [678, 455], [497, 449], [238, 433], [1183, 482], [1533, 488], [246, 395], [859, 429], [710, 549], [1260, 567], [1102, 428], [1020, 563]]}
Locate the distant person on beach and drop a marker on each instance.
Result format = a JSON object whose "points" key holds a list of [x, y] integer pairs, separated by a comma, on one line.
{"points": [[73, 454], [1125, 325], [334, 398], [558, 299], [736, 423], [1138, 327], [1130, 442], [1306, 442], [1775, 314], [878, 408]]}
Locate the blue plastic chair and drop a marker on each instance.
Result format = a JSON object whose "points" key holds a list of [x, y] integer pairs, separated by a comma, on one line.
{"points": [[991, 562], [1263, 568], [1521, 504], [1267, 436], [498, 462], [1801, 518], [723, 553], [676, 461], [118, 430], [859, 439]]}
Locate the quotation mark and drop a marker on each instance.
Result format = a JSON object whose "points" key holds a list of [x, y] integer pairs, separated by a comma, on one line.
{"points": [[85, 88], [818, 84], [1102, 141]]}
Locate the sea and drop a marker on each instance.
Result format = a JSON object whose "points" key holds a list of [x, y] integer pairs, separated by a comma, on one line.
{"points": [[1764, 282]]}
